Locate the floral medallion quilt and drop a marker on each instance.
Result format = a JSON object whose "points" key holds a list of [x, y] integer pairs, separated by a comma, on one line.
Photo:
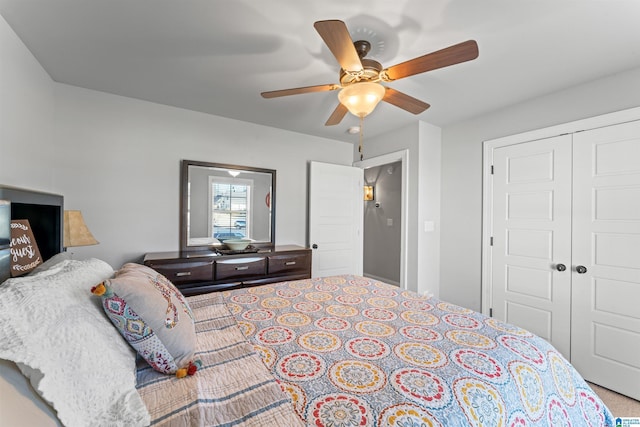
{"points": [[352, 351]]}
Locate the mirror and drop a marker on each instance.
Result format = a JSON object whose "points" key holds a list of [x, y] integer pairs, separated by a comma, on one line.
{"points": [[220, 202]]}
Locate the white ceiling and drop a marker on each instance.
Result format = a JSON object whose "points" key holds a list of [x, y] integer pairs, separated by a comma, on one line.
{"points": [[217, 56]]}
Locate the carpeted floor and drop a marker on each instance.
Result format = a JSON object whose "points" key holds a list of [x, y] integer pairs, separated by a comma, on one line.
{"points": [[620, 406]]}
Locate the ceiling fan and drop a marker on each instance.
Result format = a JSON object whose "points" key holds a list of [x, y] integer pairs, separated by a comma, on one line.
{"points": [[360, 78]]}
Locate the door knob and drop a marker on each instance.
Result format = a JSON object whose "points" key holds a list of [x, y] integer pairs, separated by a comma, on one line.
{"points": [[561, 267], [581, 269], [314, 246]]}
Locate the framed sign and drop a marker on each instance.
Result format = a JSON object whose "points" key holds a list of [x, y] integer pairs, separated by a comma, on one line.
{"points": [[25, 255]]}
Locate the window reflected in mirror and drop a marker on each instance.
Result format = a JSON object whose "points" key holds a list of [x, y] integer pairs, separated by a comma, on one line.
{"points": [[222, 202], [231, 203]]}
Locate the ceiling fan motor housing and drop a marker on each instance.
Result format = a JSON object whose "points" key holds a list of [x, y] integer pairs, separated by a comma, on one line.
{"points": [[362, 47], [370, 71]]}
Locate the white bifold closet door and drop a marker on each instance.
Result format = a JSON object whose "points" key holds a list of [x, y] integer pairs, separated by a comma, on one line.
{"points": [[605, 335], [565, 260], [532, 238]]}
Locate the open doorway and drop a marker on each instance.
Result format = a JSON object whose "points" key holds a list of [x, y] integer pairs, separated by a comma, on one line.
{"points": [[385, 218], [382, 221]]}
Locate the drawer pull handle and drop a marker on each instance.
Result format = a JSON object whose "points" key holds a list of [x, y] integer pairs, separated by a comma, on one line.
{"points": [[290, 263], [244, 267], [183, 273]]}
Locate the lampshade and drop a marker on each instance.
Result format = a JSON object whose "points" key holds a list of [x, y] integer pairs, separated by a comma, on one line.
{"points": [[76, 232], [361, 98]]}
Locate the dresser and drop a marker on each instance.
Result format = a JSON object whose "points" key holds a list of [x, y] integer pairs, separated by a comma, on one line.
{"points": [[206, 271]]}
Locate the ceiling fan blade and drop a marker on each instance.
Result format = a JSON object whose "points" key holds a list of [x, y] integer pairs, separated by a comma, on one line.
{"points": [[299, 90], [462, 52], [337, 115], [336, 36], [404, 101]]}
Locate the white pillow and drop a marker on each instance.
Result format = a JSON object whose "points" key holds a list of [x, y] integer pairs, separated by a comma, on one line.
{"points": [[51, 262], [50, 323]]}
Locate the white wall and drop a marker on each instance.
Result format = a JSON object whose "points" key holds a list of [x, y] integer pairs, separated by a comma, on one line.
{"points": [[118, 159], [26, 116], [119, 162], [429, 202], [462, 170]]}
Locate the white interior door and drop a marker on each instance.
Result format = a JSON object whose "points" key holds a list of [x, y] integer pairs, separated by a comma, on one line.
{"points": [[606, 242], [531, 230], [335, 219]]}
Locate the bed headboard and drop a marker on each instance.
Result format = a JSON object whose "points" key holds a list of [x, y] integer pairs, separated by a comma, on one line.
{"points": [[45, 214]]}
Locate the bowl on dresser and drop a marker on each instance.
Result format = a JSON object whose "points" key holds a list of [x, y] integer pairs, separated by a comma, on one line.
{"points": [[237, 244]]}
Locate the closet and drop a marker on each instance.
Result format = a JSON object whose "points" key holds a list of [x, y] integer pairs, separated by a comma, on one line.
{"points": [[561, 250]]}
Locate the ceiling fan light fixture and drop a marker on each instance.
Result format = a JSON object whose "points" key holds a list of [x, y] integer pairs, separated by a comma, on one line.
{"points": [[360, 77], [361, 98]]}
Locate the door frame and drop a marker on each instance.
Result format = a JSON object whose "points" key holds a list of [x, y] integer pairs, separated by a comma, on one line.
{"points": [[609, 119], [381, 160]]}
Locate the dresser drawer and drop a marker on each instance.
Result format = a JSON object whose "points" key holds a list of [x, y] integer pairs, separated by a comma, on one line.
{"points": [[185, 272], [199, 272], [239, 269], [289, 263]]}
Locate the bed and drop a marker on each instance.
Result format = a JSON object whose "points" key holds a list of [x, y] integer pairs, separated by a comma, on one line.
{"points": [[332, 351]]}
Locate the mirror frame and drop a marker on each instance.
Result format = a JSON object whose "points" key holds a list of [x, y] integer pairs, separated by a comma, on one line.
{"points": [[184, 203]]}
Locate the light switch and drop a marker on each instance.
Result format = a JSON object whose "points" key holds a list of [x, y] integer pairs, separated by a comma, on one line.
{"points": [[429, 226], [389, 222]]}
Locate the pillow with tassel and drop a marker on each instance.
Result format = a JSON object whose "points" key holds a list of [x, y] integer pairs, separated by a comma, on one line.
{"points": [[153, 316]]}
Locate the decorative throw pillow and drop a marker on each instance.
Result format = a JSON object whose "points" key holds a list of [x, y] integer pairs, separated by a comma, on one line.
{"points": [[153, 316]]}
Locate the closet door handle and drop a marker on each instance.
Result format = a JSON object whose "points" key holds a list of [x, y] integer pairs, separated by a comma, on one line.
{"points": [[581, 269], [561, 267]]}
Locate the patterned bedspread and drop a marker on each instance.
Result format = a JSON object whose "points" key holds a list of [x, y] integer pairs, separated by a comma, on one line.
{"points": [[232, 388], [353, 352]]}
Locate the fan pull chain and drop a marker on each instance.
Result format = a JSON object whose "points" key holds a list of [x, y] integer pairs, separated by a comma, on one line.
{"points": [[361, 134]]}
